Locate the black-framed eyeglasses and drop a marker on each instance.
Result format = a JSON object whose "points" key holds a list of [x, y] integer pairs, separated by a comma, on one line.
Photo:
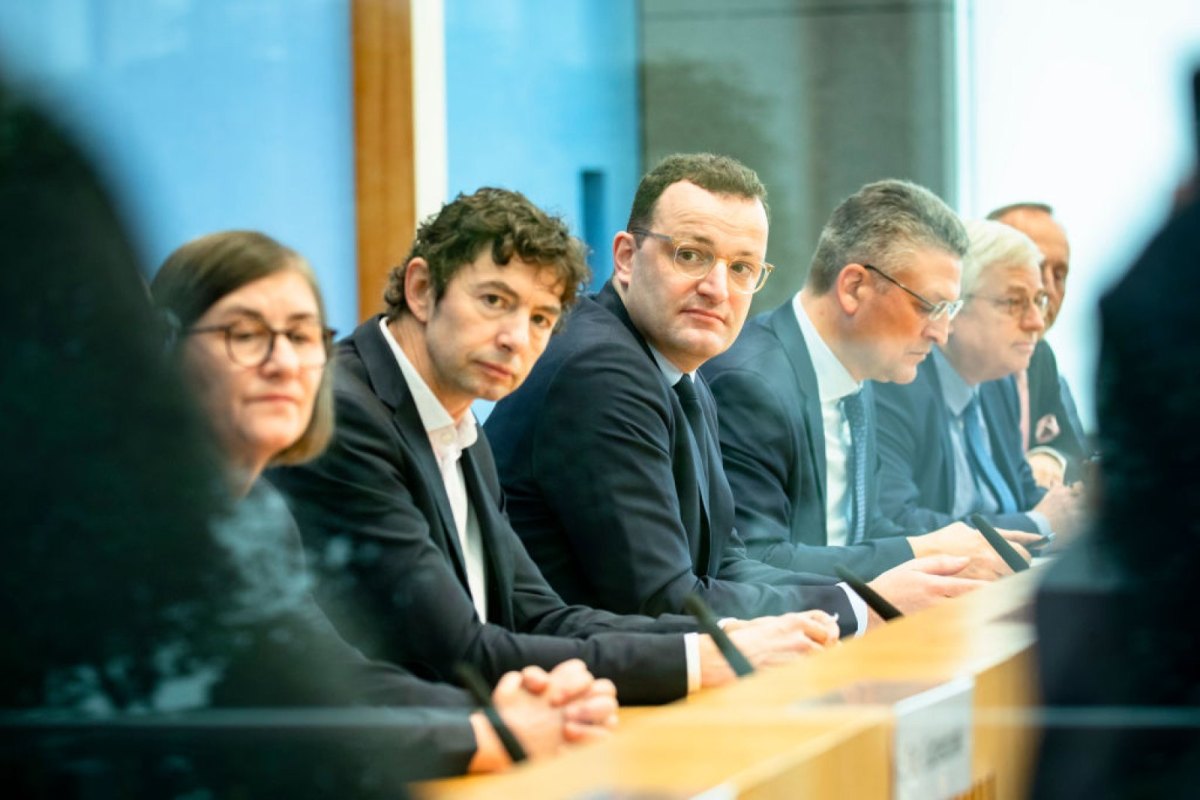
{"points": [[250, 342], [1015, 305], [696, 260], [947, 309]]}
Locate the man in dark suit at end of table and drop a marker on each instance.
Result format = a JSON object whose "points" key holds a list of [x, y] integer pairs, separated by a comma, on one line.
{"points": [[796, 413], [1055, 443], [609, 454], [403, 513]]}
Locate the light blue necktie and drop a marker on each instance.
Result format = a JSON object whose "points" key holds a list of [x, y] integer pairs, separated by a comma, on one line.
{"points": [[981, 460]]}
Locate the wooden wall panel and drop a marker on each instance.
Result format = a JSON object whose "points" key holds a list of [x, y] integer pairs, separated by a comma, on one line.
{"points": [[383, 139]]}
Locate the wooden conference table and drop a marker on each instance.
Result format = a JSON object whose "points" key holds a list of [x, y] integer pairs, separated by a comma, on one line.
{"points": [[811, 728]]}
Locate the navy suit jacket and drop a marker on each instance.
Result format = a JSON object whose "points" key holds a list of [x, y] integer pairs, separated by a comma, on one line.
{"points": [[773, 447], [602, 483], [373, 510], [917, 462]]}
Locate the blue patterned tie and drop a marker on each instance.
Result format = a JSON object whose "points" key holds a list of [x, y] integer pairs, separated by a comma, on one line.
{"points": [[981, 461], [856, 417]]}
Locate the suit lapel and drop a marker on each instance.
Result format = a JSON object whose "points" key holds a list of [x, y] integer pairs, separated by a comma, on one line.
{"points": [[387, 381], [782, 322], [942, 429], [701, 543]]}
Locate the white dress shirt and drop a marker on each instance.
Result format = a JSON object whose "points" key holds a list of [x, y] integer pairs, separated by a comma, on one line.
{"points": [[834, 382], [448, 440]]}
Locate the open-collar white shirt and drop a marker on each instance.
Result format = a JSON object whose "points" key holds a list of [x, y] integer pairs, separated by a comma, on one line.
{"points": [[448, 439], [834, 382]]}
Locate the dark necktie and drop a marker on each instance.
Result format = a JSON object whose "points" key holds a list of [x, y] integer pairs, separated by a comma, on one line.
{"points": [[981, 461], [690, 400], [856, 417]]}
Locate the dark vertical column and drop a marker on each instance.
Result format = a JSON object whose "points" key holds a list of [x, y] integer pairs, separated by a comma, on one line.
{"points": [[595, 231]]}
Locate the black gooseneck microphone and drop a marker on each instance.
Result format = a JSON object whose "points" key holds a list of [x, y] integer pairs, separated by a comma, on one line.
{"points": [[872, 598], [999, 544], [708, 623], [475, 684]]}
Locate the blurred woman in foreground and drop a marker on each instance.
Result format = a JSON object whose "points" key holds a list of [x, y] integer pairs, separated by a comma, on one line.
{"points": [[254, 344]]}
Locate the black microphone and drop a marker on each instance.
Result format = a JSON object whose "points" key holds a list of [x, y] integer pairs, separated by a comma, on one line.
{"points": [[474, 683], [708, 623], [871, 597], [999, 544]]}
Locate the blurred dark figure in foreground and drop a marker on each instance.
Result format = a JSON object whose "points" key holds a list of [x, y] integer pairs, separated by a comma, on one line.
{"points": [[1118, 640], [104, 467], [118, 602]]}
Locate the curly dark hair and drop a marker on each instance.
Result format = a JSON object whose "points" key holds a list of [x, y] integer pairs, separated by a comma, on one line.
{"points": [[505, 220]]}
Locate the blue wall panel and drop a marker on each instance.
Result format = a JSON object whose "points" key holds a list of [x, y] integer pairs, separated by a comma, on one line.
{"points": [[208, 114], [540, 93]]}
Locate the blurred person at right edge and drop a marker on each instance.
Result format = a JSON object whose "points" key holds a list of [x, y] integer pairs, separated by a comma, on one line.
{"points": [[1118, 651], [1056, 446]]}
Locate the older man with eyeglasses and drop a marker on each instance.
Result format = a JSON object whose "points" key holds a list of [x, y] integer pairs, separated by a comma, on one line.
{"points": [[950, 442], [795, 399], [608, 454]]}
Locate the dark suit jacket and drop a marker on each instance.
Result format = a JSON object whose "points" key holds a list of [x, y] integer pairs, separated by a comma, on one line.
{"points": [[374, 510], [1047, 400], [602, 483], [773, 447], [917, 472]]}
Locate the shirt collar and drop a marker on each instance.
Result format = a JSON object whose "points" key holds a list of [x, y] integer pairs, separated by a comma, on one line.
{"points": [[669, 371], [834, 381], [955, 391], [443, 431]]}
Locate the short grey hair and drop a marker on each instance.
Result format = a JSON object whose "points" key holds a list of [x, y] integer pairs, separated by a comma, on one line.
{"points": [[880, 223], [994, 244]]}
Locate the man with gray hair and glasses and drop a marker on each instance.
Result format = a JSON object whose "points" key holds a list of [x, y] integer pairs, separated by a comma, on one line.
{"points": [[796, 411], [1056, 446], [949, 442]]}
